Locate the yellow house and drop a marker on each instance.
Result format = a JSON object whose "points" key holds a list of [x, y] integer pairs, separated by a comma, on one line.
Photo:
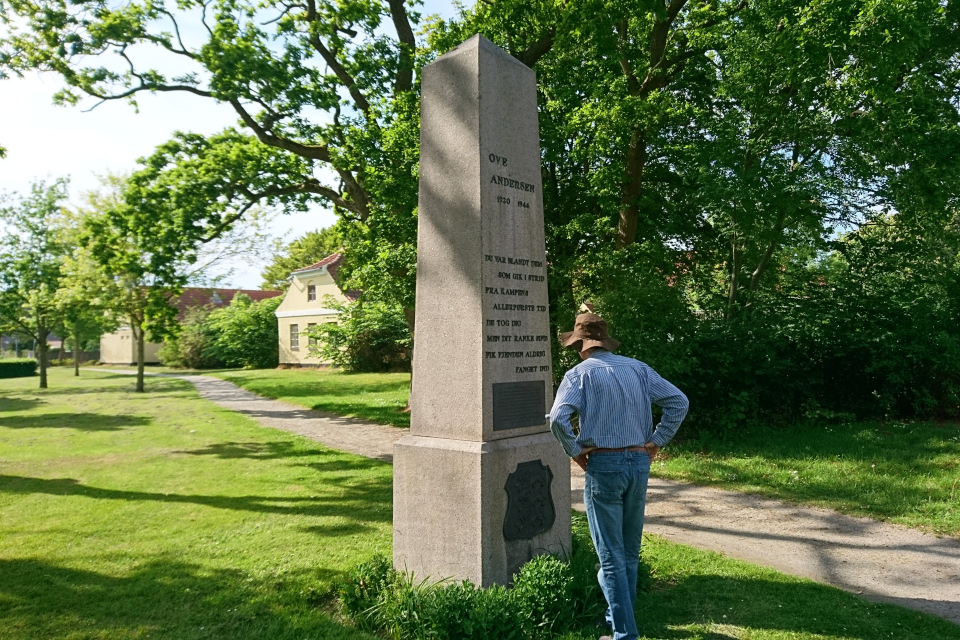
{"points": [[303, 307]]}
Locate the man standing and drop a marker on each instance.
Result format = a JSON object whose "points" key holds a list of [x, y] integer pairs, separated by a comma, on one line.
{"points": [[616, 441]]}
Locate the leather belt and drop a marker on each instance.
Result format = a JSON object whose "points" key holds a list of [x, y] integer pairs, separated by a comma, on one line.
{"points": [[605, 450]]}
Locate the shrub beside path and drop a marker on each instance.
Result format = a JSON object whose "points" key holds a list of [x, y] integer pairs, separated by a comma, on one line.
{"points": [[881, 561]]}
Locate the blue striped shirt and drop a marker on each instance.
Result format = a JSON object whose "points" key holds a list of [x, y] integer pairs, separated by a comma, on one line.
{"points": [[612, 396]]}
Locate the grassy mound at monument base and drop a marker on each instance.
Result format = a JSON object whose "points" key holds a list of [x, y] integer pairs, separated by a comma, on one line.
{"points": [[549, 597]]}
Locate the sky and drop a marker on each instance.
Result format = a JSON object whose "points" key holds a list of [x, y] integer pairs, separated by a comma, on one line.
{"points": [[45, 141]]}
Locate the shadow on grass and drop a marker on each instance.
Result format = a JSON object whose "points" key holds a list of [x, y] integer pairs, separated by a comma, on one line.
{"points": [[389, 415], [252, 450], [333, 460], [163, 598], [18, 404], [79, 421], [696, 605], [356, 503]]}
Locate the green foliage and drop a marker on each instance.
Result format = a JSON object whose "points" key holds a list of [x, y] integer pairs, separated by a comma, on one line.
{"points": [[31, 264], [368, 337], [244, 334], [18, 368], [191, 347], [241, 335], [465, 611], [362, 588], [549, 598], [309, 248], [543, 590]]}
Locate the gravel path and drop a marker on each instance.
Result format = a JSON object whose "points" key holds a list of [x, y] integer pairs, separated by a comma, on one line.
{"points": [[881, 561]]}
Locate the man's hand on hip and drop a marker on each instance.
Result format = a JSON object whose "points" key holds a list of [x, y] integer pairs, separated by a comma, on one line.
{"points": [[652, 449], [581, 459]]}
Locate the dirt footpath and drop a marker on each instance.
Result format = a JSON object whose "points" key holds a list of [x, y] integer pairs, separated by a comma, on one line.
{"points": [[883, 562]]}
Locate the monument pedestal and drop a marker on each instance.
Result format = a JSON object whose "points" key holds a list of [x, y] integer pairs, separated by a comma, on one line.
{"points": [[455, 516], [480, 484]]}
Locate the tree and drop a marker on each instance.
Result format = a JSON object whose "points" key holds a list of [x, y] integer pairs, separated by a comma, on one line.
{"points": [[81, 318], [317, 87], [303, 251], [30, 264], [128, 266], [332, 57]]}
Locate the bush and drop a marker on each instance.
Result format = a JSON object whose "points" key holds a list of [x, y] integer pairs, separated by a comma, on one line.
{"points": [[245, 334], [368, 337], [190, 349], [464, 611], [543, 589], [549, 598], [361, 590], [18, 368]]}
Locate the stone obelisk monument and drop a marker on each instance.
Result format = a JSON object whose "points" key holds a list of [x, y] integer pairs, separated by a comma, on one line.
{"points": [[480, 484]]}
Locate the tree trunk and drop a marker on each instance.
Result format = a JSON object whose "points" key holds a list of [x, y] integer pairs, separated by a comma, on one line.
{"points": [[630, 192], [42, 355], [136, 327], [76, 353], [735, 260]]}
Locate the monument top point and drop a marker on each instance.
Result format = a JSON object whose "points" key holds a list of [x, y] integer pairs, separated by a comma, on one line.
{"points": [[477, 41]]}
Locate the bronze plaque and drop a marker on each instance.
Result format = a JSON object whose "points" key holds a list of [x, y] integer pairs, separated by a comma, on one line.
{"points": [[530, 510], [519, 404]]}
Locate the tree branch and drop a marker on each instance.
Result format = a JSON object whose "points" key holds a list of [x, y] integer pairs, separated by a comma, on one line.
{"points": [[401, 22], [532, 54], [345, 78], [314, 152]]}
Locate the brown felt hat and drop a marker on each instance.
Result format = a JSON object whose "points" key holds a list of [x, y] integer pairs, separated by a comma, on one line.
{"points": [[590, 330]]}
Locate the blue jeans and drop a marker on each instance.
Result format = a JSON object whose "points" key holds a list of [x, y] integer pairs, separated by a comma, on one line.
{"points": [[615, 494]]}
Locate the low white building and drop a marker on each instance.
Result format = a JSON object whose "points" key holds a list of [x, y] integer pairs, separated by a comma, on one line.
{"points": [[119, 347]]}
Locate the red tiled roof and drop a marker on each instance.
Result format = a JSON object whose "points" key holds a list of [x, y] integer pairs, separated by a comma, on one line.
{"points": [[199, 297], [332, 262]]}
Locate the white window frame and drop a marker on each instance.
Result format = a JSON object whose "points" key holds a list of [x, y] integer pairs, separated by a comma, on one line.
{"points": [[294, 337]]}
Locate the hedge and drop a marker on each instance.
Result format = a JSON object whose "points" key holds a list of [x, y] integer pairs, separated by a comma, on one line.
{"points": [[19, 368]]}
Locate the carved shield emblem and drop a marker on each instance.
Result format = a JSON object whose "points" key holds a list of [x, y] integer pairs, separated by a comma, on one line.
{"points": [[530, 510]]}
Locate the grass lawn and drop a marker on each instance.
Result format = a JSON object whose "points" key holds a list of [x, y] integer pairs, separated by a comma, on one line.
{"points": [[904, 472], [159, 515], [378, 397], [907, 473]]}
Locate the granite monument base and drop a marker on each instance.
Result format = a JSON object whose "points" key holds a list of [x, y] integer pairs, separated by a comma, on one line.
{"points": [[478, 510]]}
